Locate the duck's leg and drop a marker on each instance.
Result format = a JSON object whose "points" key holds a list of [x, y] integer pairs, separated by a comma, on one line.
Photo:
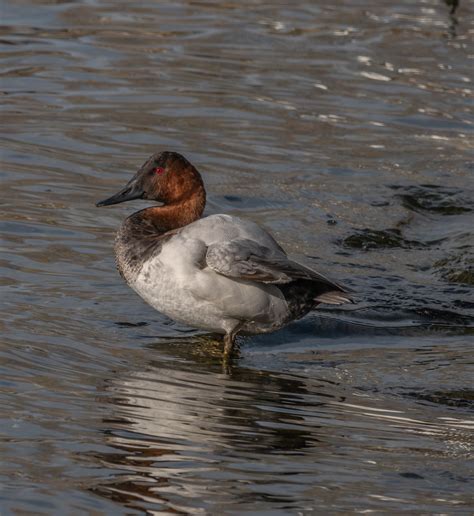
{"points": [[229, 342]]}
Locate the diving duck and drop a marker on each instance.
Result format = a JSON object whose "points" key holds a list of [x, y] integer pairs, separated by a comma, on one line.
{"points": [[219, 273]]}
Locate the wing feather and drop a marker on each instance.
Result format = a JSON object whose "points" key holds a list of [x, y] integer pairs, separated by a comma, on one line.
{"points": [[246, 259]]}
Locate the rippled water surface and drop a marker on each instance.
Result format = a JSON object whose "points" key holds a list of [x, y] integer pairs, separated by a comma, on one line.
{"points": [[345, 128]]}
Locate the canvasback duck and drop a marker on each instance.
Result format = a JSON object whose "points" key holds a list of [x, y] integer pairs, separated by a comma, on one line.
{"points": [[218, 273]]}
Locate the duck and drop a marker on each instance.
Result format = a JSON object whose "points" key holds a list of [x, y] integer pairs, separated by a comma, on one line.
{"points": [[218, 273]]}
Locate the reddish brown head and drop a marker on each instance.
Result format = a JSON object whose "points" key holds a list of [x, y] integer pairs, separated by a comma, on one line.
{"points": [[167, 177]]}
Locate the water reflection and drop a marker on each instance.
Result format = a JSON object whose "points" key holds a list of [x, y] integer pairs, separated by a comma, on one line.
{"points": [[453, 4], [184, 437], [176, 429], [453, 21]]}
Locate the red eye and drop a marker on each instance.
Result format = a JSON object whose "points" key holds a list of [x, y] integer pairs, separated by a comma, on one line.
{"points": [[159, 171]]}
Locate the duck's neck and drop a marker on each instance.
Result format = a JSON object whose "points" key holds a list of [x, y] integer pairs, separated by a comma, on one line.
{"points": [[144, 232], [178, 214]]}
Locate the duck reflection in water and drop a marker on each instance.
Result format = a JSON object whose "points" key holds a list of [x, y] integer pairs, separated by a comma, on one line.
{"points": [[185, 434]]}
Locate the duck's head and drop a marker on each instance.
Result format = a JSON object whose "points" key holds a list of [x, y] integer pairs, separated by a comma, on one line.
{"points": [[166, 177]]}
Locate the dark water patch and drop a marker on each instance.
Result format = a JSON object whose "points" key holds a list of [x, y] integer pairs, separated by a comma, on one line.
{"points": [[409, 474], [125, 324], [245, 203], [464, 305], [430, 314], [462, 398], [434, 199], [458, 268], [370, 239], [384, 321]]}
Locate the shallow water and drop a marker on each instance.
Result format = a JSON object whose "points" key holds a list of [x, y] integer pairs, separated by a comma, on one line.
{"points": [[345, 129]]}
